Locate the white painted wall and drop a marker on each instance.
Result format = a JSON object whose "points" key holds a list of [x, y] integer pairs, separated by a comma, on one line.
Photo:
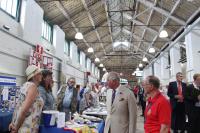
{"points": [[157, 68], [164, 70], [16, 44], [174, 57], [192, 40], [31, 21], [58, 41]]}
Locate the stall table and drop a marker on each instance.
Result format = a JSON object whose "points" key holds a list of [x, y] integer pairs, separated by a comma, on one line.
{"points": [[44, 129], [102, 114]]}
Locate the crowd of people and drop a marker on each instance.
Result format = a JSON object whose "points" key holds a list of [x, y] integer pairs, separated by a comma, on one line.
{"points": [[36, 96], [161, 115]]}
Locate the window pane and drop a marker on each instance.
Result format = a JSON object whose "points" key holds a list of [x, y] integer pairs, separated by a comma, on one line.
{"points": [[9, 6], [49, 34], [66, 47], [3, 4], [85, 62], [43, 28], [14, 8], [69, 49], [47, 31]]}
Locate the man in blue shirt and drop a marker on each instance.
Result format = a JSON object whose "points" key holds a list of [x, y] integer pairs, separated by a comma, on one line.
{"points": [[67, 98]]}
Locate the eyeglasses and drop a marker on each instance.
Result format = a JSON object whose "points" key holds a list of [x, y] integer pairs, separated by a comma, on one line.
{"points": [[72, 81]]}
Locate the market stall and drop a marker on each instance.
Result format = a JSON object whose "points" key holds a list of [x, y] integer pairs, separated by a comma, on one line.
{"points": [[54, 121], [75, 128]]}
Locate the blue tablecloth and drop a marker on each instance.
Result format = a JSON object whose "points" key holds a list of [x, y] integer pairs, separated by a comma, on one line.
{"points": [[101, 126], [5, 119], [43, 129]]}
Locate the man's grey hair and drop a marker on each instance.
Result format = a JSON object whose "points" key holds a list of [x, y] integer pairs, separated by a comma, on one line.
{"points": [[113, 76], [71, 78]]}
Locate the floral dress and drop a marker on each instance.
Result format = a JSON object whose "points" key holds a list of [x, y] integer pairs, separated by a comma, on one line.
{"points": [[32, 119]]}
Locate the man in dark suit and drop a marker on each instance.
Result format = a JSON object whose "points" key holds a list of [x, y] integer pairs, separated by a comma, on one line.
{"points": [[142, 97], [192, 99], [176, 92]]}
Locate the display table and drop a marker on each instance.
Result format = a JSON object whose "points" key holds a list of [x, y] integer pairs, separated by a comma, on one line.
{"points": [[83, 129], [5, 120], [98, 112]]}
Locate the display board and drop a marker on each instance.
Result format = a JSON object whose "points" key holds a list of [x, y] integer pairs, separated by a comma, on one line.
{"points": [[38, 58], [9, 93]]}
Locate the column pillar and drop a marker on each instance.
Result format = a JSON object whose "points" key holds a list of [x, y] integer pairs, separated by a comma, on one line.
{"points": [[164, 75], [58, 41], [174, 58], [157, 68], [192, 40]]}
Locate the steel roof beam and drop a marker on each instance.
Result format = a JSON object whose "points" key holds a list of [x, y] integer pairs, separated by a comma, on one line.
{"points": [[151, 5], [108, 18], [148, 21], [65, 13], [164, 23], [92, 22], [82, 12]]}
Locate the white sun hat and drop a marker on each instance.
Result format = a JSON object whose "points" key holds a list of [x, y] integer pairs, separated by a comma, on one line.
{"points": [[31, 71]]}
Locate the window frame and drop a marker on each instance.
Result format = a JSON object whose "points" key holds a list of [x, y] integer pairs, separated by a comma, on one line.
{"points": [[17, 12], [79, 56], [66, 47], [86, 62], [48, 27]]}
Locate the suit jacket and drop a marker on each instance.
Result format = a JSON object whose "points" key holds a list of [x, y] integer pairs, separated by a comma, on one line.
{"points": [[122, 114], [61, 95], [191, 97], [173, 90]]}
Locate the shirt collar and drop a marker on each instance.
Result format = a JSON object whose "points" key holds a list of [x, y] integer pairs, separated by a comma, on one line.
{"points": [[152, 100], [195, 86]]}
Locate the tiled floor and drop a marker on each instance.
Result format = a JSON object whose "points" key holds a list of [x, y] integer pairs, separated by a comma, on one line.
{"points": [[140, 122]]}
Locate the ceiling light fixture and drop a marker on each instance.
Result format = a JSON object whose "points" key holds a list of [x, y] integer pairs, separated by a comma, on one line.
{"points": [[152, 50], [90, 50], [101, 65], [145, 59], [163, 34], [104, 69], [79, 36], [140, 65], [96, 60]]}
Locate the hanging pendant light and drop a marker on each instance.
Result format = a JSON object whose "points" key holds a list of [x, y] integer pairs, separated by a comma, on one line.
{"points": [[104, 69], [140, 65], [96, 60], [101, 65], [90, 50], [79, 35], [145, 59], [163, 34], [152, 50]]}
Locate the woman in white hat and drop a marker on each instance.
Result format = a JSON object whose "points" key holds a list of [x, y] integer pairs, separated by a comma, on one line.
{"points": [[26, 116]]}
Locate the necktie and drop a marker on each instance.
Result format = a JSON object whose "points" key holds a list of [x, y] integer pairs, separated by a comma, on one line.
{"points": [[180, 91], [179, 88], [113, 96]]}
